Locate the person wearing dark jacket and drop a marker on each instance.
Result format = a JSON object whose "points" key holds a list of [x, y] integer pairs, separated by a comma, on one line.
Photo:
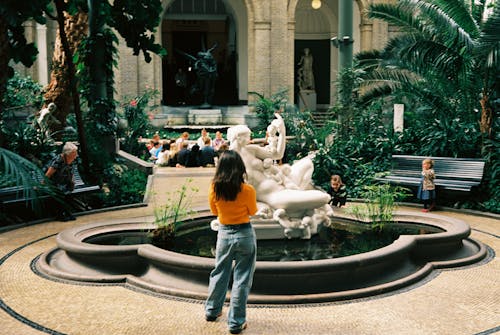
{"points": [[337, 191], [207, 154]]}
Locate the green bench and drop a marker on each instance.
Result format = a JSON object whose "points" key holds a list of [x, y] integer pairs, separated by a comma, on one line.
{"points": [[453, 175]]}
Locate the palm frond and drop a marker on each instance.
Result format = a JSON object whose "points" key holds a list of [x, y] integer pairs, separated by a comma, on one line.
{"points": [[395, 14], [456, 27], [457, 11], [25, 178], [488, 49]]}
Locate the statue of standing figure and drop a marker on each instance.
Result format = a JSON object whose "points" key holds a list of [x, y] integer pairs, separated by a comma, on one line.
{"points": [[205, 67], [306, 74]]}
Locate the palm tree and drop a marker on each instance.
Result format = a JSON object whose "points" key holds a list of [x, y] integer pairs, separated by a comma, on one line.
{"points": [[445, 56]]}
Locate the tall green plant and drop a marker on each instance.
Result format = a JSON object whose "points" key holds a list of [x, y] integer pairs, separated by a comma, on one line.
{"points": [[266, 107], [380, 204], [358, 155], [138, 120], [169, 217], [347, 83]]}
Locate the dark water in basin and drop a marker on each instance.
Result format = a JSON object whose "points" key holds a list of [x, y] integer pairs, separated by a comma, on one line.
{"points": [[328, 243]]}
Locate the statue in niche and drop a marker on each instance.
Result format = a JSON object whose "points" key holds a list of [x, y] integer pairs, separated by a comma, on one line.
{"points": [[305, 72], [284, 193], [205, 67]]}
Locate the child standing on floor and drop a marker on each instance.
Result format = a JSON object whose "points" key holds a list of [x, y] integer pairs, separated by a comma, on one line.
{"points": [[427, 188], [337, 191]]}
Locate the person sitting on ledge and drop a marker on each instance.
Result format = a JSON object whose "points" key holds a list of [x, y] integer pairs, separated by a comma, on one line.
{"points": [[207, 154], [218, 141], [183, 138], [60, 172], [201, 140]]}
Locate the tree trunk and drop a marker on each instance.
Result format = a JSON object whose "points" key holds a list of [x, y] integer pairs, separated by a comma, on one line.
{"points": [[63, 87], [59, 89], [486, 115]]}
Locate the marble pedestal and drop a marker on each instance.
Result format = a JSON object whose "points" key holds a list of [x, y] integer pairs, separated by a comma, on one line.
{"points": [[204, 116], [307, 100]]}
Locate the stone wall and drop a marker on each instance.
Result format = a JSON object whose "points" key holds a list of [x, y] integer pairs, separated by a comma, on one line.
{"points": [[265, 45]]}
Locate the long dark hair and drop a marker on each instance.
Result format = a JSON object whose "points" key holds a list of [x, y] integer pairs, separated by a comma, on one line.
{"points": [[229, 176]]}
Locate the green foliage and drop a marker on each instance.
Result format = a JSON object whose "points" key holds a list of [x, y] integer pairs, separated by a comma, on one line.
{"points": [[450, 138], [23, 91], [266, 107], [358, 155], [100, 118], [431, 135], [347, 83], [26, 138], [15, 170], [124, 186], [444, 60], [380, 204], [491, 179], [308, 137], [15, 14], [134, 111], [136, 21], [170, 216], [103, 122]]}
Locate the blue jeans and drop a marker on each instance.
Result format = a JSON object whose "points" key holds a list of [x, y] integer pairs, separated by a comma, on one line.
{"points": [[236, 244]]}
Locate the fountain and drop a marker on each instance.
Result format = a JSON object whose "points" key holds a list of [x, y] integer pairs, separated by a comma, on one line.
{"points": [[289, 207]]}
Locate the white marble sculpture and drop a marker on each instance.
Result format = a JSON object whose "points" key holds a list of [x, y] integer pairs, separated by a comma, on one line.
{"points": [[285, 193]]}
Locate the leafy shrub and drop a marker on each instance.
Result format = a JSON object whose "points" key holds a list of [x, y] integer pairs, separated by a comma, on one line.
{"points": [[23, 91], [135, 112], [266, 107], [124, 186], [357, 156]]}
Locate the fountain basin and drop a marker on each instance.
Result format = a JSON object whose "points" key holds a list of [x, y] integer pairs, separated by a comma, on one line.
{"points": [[405, 261]]}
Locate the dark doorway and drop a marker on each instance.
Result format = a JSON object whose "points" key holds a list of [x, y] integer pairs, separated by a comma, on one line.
{"points": [[320, 49], [183, 47]]}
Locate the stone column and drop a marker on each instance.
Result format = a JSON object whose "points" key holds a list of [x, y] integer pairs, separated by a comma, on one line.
{"points": [[366, 35], [280, 52], [261, 80], [290, 65], [379, 34], [43, 57]]}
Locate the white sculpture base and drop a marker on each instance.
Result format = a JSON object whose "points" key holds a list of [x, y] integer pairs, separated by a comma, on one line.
{"points": [[205, 116], [270, 229], [307, 100]]}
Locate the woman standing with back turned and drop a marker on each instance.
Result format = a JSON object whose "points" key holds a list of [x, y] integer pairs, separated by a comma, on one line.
{"points": [[233, 201]]}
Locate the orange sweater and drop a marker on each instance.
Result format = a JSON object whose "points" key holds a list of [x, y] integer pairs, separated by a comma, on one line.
{"points": [[236, 211]]}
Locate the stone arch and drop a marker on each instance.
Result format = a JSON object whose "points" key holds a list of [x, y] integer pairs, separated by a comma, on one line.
{"points": [[239, 10], [329, 11]]}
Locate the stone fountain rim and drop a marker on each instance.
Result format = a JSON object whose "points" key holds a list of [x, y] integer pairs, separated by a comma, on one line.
{"points": [[71, 240]]}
